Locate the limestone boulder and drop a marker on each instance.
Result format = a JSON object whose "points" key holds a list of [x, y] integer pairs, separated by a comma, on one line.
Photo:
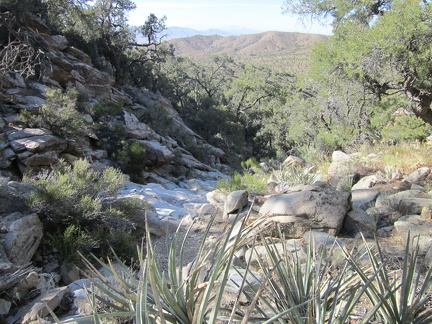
{"points": [[23, 233], [415, 226], [39, 143], [368, 182], [235, 201], [137, 129], [259, 254], [216, 196], [347, 169], [320, 208], [156, 153], [418, 175]]}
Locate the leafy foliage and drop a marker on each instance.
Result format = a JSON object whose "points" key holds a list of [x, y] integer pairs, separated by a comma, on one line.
{"points": [[60, 115], [73, 195]]}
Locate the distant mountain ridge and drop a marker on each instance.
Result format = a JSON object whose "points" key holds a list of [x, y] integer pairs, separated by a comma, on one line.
{"points": [[288, 52], [181, 32]]}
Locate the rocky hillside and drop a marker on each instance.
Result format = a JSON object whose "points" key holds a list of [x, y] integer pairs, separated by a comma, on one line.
{"points": [[289, 51], [111, 118]]}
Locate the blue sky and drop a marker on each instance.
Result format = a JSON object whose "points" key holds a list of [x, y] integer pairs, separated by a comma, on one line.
{"points": [[256, 15]]}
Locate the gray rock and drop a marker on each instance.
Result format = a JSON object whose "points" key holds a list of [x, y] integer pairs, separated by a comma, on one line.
{"points": [[417, 176], [5, 306], [41, 159], [390, 203], [7, 155], [416, 226], [80, 284], [293, 161], [367, 182], [30, 282], [260, 253], [37, 144], [28, 132], [322, 238], [298, 212], [137, 129], [340, 156], [235, 278], [160, 226], [409, 206], [363, 197], [39, 307], [157, 153], [235, 201], [22, 238], [358, 221]]}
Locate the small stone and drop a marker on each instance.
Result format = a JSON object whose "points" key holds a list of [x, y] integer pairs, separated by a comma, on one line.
{"points": [[426, 212]]}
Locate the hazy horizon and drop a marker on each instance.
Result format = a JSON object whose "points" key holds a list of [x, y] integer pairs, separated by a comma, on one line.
{"points": [[254, 15]]}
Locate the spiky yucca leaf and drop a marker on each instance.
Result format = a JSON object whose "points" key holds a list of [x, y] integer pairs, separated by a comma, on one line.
{"points": [[311, 290], [397, 298]]}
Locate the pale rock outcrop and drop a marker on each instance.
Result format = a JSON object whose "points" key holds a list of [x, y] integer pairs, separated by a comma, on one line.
{"points": [[137, 129], [157, 153], [23, 233], [418, 175], [321, 208], [416, 227], [235, 201], [39, 308], [292, 160]]}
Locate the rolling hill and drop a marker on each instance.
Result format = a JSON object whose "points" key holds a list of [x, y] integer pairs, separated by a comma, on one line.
{"points": [[287, 52]]}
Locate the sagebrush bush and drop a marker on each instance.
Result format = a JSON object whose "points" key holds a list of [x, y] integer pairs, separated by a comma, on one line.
{"points": [[132, 159], [72, 195], [59, 115]]}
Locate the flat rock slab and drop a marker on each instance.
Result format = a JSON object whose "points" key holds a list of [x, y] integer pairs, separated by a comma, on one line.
{"points": [[323, 209], [363, 197], [416, 226], [408, 206], [39, 307]]}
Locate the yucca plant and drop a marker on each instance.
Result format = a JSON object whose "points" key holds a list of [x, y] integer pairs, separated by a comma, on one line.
{"points": [[397, 296], [310, 290], [294, 175], [151, 296]]}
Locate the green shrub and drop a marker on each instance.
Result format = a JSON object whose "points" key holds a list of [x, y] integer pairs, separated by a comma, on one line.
{"points": [[294, 175], [406, 128], [70, 241], [98, 111], [59, 115], [132, 160], [119, 240], [255, 183], [72, 195]]}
